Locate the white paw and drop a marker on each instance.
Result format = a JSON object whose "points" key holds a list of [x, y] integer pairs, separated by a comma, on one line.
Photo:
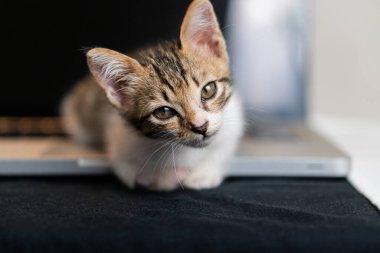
{"points": [[164, 185], [164, 180], [203, 180]]}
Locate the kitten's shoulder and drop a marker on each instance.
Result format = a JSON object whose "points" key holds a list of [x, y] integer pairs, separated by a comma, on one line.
{"points": [[84, 109]]}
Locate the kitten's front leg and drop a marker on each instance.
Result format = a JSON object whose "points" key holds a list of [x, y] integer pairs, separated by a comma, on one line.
{"points": [[206, 175]]}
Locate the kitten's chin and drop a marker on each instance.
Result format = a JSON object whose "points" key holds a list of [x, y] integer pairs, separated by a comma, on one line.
{"points": [[196, 144], [199, 142]]}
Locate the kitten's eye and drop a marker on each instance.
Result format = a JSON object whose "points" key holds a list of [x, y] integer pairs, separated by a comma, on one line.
{"points": [[209, 90], [164, 112]]}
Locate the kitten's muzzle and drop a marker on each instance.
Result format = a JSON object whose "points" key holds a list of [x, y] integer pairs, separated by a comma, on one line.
{"points": [[200, 129]]}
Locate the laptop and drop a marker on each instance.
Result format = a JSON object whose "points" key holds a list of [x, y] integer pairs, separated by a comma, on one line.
{"points": [[269, 49]]}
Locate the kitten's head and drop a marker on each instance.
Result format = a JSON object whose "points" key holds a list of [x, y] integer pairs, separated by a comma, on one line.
{"points": [[176, 90]]}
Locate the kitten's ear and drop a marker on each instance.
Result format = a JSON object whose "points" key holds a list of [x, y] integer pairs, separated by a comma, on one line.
{"points": [[116, 73], [200, 30]]}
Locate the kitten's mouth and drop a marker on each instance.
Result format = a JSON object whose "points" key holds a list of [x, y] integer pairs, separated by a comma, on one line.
{"points": [[197, 144], [207, 137], [200, 142]]}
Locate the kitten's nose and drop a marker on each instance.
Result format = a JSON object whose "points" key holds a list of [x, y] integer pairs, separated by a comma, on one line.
{"points": [[200, 129]]}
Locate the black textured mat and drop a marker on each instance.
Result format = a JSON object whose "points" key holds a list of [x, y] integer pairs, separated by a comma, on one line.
{"points": [[97, 214]]}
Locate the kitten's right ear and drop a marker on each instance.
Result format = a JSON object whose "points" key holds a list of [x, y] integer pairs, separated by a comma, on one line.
{"points": [[200, 30], [116, 73]]}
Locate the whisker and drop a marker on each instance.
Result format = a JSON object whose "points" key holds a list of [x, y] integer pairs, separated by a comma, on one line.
{"points": [[166, 144], [227, 26], [175, 170], [150, 157], [165, 157]]}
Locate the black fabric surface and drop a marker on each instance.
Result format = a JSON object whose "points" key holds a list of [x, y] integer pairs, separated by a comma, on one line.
{"points": [[97, 214]]}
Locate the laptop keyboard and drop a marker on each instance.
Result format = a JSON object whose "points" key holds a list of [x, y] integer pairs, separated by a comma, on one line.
{"points": [[30, 126]]}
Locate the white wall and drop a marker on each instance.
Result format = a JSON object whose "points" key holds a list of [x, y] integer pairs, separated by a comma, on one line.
{"points": [[345, 71]]}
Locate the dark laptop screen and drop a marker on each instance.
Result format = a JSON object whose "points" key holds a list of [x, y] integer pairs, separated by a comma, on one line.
{"points": [[42, 42]]}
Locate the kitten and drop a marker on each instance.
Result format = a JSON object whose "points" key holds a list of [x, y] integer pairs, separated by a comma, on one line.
{"points": [[167, 115]]}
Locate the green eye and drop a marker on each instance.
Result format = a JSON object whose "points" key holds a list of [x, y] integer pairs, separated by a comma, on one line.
{"points": [[209, 90], [164, 112]]}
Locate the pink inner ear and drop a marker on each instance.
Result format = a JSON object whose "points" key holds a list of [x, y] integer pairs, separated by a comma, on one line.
{"points": [[111, 87], [212, 41], [204, 31], [116, 91]]}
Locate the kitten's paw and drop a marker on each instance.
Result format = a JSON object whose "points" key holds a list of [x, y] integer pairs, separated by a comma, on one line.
{"points": [[203, 179], [170, 180], [164, 185]]}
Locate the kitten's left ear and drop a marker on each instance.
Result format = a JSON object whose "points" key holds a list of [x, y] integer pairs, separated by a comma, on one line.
{"points": [[200, 30]]}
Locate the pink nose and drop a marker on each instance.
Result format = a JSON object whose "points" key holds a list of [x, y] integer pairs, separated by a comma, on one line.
{"points": [[200, 129]]}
